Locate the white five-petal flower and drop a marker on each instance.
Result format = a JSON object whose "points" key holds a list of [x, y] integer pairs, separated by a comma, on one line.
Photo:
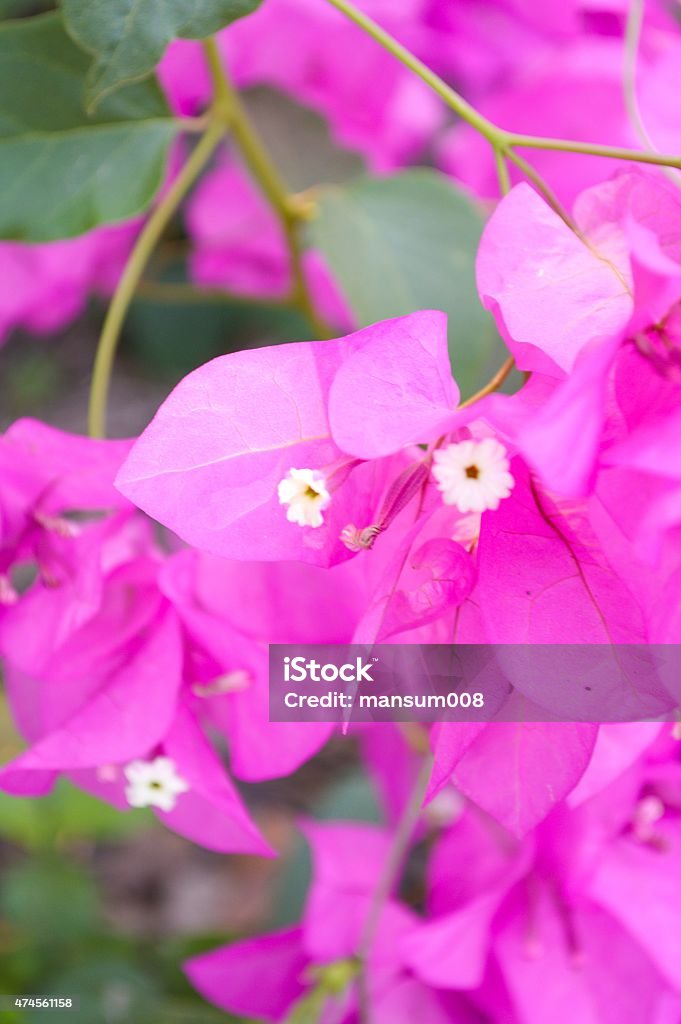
{"points": [[305, 492], [473, 475], [154, 783]]}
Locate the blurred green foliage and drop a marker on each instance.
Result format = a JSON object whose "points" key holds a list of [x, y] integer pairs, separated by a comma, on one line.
{"points": [[409, 242], [66, 816], [170, 338], [55, 938], [128, 40], [23, 8], [93, 179]]}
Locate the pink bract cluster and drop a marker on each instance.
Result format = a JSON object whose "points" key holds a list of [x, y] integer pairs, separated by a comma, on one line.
{"points": [[324, 493], [45, 286], [340, 491], [557, 924]]}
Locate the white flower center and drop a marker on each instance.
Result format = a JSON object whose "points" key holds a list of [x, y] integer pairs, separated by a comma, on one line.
{"points": [[473, 475], [306, 494], [154, 783]]}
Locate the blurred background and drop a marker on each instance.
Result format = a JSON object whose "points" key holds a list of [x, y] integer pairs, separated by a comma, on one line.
{"points": [[168, 331], [108, 905], [104, 904]]}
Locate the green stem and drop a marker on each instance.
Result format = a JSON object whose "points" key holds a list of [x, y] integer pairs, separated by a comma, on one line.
{"points": [[493, 384], [221, 89], [134, 268], [452, 98], [391, 873], [632, 40], [192, 125], [593, 149], [545, 189], [501, 139], [228, 103], [502, 171]]}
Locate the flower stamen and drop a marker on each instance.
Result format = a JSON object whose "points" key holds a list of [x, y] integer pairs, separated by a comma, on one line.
{"points": [[400, 493]]}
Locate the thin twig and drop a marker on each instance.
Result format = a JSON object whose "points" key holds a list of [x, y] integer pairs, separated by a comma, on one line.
{"points": [[501, 140], [287, 207], [548, 193], [134, 268], [493, 384], [502, 171], [632, 42], [594, 149], [452, 98], [393, 866]]}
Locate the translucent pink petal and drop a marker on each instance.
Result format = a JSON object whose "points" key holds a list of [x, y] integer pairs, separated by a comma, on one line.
{"points": [[552, 294], [233, 977], [401, 365]]}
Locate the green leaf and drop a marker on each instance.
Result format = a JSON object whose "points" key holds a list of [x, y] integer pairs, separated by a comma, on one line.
{"points": [[49, 900], [18, 820], [62, 172], [110, 990], [76, 815], [157, 332], [292, 886], [127, 37], [408, 242], [66, 815], [22, 8], [351, 798]]}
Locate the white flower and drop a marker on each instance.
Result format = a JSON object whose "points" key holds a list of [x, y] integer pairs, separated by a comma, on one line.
{"points": [[153, 783], [305, 493], [473, 475]]}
